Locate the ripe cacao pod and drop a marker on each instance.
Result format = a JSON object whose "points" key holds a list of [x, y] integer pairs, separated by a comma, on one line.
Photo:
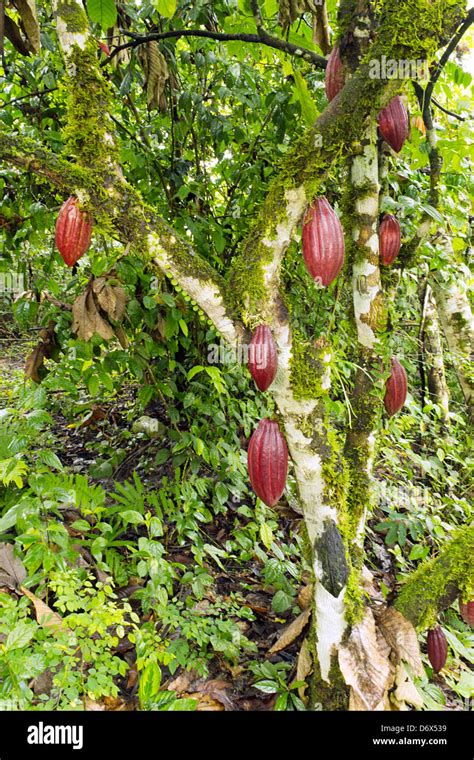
{"points": [[393, 123], [396, 388], [267, 461], [467, 612], [323, 242], [334, 79], [73, 231], [263, 361], [437, 648], [389, 239]]}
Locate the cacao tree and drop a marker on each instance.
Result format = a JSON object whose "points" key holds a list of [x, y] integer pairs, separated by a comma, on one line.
{"points": [[325, 207]]}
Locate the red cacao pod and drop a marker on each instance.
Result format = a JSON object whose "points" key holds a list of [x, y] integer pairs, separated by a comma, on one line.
{"points": [[335, 78], [323, 242], [437, 648], [263, 359], [267, 461], [394, 124], [396, 388], [467, 612], [73, 231], [389, 239]]}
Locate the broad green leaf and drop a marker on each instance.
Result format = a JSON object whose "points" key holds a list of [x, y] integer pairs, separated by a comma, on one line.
{"points": [[308, 107], [166, 8], [19, 637], [102, 12]]}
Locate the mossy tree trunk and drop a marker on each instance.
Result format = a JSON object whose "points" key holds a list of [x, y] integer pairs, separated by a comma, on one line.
{"points": [[433, 355], [252, 293]]}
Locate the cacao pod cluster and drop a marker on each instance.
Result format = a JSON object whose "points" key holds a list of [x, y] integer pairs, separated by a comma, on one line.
{"points": [[389, 239], [323, 242], [267, 460], [267, 456], [73, 231], [394, 124], [395, 388], [437, 648]]}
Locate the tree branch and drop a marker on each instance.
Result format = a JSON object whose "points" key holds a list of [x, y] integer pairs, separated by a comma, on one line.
{"points": [[261, 38], [436, 583]]}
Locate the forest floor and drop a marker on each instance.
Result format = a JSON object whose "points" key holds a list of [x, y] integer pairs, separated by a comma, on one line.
{"points": [[82, 443]]}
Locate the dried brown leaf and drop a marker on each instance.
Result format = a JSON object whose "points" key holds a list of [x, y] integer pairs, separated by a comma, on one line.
{"points": [[45, 616], [406, 691], [305, 596], [12, 570], [362, 664], [401, 637], [34, 363], [291, 632], [303, 668], [86, 318], [29, 22]]}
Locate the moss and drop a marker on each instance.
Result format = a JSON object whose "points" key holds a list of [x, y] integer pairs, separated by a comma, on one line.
{"points": [[418, 26], [332, 696], [355, 597], [74, 16], [88, 129], [308, 367], [423, 594]]}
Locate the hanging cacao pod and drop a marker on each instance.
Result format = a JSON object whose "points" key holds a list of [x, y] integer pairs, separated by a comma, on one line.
{"points": [[263, 361], [323, 242], [267, 461], [396, 388], [334, 78], [73, 231], [393, 123], [467, 612], [437, 648], [389, 239]]}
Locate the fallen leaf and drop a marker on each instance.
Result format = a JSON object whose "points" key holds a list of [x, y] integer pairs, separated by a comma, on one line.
{"points": [[205, 703], [362, 664], [401, 637], [356, 704], [12, 570], [291, 632], [92, 706], [45, 616], [406, 691], [305, 596], [303, 668]]}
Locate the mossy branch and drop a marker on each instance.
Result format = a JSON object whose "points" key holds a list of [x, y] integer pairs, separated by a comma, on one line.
{"points": [[335, 136], [437, 582], [120, 210]]}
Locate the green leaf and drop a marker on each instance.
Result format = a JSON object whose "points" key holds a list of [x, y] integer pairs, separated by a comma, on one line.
{"points": [[266, 535], [166, 8], [268, 687], [50, 459], [102, 12], [194, 371], [308, 107], [19, 637], [281, 602], [150, 681]]}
